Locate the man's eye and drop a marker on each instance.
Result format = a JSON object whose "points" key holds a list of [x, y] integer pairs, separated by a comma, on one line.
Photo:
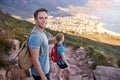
{"points": [[46, 17], [40, 18]]}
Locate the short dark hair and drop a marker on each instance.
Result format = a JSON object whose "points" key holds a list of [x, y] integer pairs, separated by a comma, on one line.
{"points": [[39, 10]]}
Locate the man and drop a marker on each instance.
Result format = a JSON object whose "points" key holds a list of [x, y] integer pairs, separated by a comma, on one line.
{"points": [[40, 59]]}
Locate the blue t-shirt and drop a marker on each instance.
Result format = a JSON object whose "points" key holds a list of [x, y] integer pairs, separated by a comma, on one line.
{"points": [[61, 50], [35, 42]]}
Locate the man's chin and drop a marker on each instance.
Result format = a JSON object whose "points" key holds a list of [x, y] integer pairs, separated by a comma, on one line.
{"points": [[42, 27]]}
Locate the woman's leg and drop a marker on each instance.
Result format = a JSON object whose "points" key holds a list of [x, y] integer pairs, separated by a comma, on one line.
{"points": [[58, 73], [68, 73]]}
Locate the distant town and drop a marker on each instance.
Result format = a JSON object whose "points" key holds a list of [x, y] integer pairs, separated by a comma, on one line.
{"points": [[79, 23]]}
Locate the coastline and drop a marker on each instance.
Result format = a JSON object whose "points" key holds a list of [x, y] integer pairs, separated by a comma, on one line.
{"points": [[100, 26], [101, 29]]}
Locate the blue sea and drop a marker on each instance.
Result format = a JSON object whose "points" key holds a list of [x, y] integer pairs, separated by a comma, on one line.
{"points": [[111, 18]]}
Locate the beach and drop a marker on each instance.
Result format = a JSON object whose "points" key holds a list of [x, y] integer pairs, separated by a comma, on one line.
{"points": [[101, 29]]}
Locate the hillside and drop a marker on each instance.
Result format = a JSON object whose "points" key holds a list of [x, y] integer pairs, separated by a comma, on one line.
{"points": [[11, 28], [86, 51], [17, 29]]}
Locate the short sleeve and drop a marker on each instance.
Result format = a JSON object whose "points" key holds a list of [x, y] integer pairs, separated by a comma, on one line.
{"points": [[61, 49], [34, 41]]}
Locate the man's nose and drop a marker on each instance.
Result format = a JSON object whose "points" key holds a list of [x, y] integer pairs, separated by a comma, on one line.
{"points": [[44, 19]]}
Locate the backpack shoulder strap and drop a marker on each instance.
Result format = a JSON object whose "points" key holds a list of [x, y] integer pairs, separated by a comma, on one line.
{"points": [[57, 45], [26, 42]]}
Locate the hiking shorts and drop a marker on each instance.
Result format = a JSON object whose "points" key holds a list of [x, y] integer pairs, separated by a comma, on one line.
{"points": [[62, 66], [39, 78]]}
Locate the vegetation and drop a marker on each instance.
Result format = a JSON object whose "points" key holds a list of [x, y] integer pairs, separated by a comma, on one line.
{"points": [[11, 28], [118, 62], [5, 46], [94, 50], [99, 58], [90, 50]]}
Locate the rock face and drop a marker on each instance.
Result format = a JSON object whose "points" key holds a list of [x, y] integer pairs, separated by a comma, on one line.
{"points": [[14, 50], [106, 73], [16, 44], [2, 74]]}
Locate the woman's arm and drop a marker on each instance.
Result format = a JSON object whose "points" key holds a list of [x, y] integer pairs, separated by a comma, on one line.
{"points": [[64, 58]]}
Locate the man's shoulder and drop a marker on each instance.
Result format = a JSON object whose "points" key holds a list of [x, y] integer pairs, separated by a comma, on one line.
{"points": [[33, 35]]}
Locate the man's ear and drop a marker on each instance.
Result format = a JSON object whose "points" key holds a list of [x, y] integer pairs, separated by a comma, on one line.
{"points": [[34, 20]]}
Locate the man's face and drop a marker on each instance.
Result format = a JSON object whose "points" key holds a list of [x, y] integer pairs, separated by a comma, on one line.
{"points": [[41, 20]]}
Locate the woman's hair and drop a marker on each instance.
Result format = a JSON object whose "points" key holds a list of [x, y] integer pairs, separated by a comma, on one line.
{"points": [[54, 40], [59, 36]]}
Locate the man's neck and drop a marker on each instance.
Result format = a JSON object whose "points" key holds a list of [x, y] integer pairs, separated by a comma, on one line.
{"points": [[39, 28]]}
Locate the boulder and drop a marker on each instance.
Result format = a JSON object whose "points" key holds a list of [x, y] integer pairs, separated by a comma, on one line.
{"points": [[2, 74], [16, 44], [76, 77], [14, 72], [80, 50], [106, 73]]}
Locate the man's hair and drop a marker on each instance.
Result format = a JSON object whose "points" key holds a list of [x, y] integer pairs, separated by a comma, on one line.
{"points": [[40, 10]]}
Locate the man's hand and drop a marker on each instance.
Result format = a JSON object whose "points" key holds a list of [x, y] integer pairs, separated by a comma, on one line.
{"points": [[43, 78]]}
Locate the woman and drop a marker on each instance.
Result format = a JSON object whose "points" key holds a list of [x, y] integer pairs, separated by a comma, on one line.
{"points": [[62, 63]]}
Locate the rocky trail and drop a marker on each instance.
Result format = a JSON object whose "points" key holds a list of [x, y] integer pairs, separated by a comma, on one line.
{"points": [[80, 69], [79, 64]]}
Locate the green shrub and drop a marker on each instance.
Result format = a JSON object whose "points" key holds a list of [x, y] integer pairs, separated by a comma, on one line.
{"points": [[90, 50], [111, 59], [118, 62], [4, 41], [99, 58], [5, 46], [2, 60], [21, 39]]}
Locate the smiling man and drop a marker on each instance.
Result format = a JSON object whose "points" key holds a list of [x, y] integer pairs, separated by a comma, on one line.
{"points": [[38, 46]]}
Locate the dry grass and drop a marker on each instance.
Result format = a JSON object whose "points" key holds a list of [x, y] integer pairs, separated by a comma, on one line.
{"points": [[104, 38]]}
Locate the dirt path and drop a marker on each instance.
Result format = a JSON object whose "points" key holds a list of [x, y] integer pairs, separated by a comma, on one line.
{"points": [[79, 64]]}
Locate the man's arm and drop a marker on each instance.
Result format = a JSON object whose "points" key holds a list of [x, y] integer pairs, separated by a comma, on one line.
{"points": [[35, 54]]}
